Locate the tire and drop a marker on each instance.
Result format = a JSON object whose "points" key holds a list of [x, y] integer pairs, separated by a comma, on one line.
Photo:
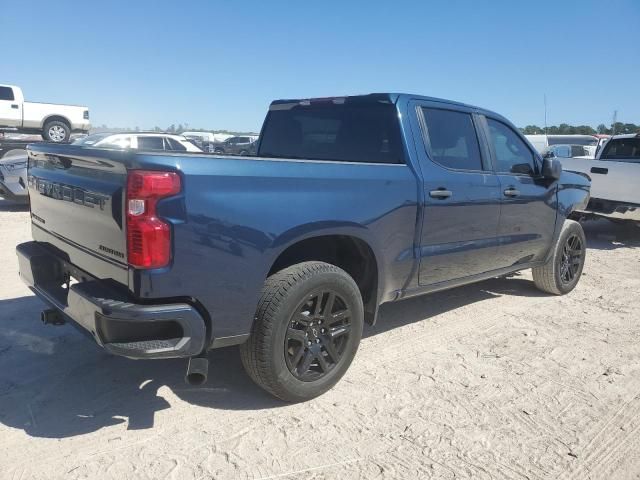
{"points": [[244, 153], [56, 131], [292, 312], [219, 151], [562, 272]]}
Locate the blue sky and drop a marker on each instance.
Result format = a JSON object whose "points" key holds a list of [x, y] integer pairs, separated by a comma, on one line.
{"points": [[217, 64]]}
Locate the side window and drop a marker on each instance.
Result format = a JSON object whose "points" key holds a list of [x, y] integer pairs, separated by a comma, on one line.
{"points": [[454, 143], [578, 151], [6, 93], [118, 142], [512, 154], [622, 149], [174, 145], [562, 151], [150, 143]]}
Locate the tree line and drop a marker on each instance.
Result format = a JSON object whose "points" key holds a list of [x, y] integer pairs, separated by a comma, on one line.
{"points": [[565, 129]]}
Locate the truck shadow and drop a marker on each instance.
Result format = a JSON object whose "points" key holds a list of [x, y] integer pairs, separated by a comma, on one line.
{"points": [[605, 235], [55, 383]]}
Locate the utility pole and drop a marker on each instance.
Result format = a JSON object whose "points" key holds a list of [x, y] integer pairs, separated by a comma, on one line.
{"points": [[615, 120]]}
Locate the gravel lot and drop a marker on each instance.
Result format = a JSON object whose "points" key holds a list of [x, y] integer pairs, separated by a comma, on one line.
{"points": [[493, 380]]}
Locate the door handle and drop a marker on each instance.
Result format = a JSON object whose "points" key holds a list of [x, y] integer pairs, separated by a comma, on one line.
{"points": [[600, 170], [511, 192], [441, 193], [14, 105]]}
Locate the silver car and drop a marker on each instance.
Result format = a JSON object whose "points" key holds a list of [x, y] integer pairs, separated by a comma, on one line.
{"points": [[13, 165], [13, 176]]}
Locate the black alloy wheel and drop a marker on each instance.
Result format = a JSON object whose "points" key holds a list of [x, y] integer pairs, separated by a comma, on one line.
{"points": [[571, 259], [317, 335]]}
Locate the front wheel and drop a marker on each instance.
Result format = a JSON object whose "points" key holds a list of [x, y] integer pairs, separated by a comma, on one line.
{"points": [[306, 331], [561, 273]]}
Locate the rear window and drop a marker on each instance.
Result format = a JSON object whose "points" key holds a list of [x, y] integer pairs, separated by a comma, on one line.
{"points": [[175, 145], [150, 143], [344, 132], [622, 149], [6, 93]]}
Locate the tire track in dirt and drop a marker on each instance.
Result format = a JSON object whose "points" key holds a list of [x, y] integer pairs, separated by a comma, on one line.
{"points": [[619, 434]]}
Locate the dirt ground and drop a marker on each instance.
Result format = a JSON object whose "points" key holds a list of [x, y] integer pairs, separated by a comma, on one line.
{"points": [[493, 380]]}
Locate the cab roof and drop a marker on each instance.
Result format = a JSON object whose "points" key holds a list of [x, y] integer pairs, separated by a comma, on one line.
{"points": [[393, 98]]}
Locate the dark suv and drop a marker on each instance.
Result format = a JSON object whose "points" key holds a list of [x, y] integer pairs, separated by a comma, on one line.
{"points": [[237, 146]]}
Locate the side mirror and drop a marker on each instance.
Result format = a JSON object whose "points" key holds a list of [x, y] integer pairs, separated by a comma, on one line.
{"points": [[551, 168], [549, 154]]}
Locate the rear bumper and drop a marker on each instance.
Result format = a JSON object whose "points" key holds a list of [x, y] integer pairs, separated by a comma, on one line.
{"points": [[116, 323], [612, 209]]}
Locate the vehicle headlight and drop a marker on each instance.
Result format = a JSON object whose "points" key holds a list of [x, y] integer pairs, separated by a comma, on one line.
{"points": [[16, 165]]}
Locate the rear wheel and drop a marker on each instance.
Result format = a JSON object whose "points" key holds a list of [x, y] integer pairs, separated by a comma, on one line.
{"points": [[306, 332], [562, 272], [56, 131]]}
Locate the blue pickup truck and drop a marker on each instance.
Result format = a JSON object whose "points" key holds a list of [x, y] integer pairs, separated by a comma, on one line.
{"points": [[351, 202]]}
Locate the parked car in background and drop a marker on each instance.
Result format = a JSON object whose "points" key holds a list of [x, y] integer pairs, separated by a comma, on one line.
{"points": [[201, 139], [351, 202], [11, 145], [245, 145], [207, 141], [571, 151], [13, 176], [615, 178], [13, 165], [139, 141], [543, 142], [54, 122]]}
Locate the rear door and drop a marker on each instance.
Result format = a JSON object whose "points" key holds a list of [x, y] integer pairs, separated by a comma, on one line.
{"points": [[528, 201], [462, 194], [10, 108]]}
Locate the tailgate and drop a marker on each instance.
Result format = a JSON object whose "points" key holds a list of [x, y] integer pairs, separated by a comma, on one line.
{"points": [[610, 180], [77, 198]]}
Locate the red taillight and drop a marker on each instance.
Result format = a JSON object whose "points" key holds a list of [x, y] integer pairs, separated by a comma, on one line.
{"points": [[148, 237]]}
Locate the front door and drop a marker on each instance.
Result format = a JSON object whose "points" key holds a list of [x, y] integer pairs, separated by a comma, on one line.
{"points": [[10, 109], [529, 205], [462, 196]]}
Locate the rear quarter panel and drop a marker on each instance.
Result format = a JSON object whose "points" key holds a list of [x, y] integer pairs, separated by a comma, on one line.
{"points": [[242, 213], [34, 114]]}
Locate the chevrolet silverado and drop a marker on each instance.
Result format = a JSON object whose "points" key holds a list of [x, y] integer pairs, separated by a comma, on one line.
{"points": [[351, 202]]}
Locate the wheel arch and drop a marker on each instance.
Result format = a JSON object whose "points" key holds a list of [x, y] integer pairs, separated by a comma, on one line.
{"points": [[347, 251], [56, 117]]}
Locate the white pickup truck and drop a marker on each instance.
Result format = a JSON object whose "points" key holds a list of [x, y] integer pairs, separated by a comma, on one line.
{"points": [[54, 122], [615, 178]]}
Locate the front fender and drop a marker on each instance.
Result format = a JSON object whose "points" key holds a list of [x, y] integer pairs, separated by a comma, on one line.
{"points": [[573, 193]]}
